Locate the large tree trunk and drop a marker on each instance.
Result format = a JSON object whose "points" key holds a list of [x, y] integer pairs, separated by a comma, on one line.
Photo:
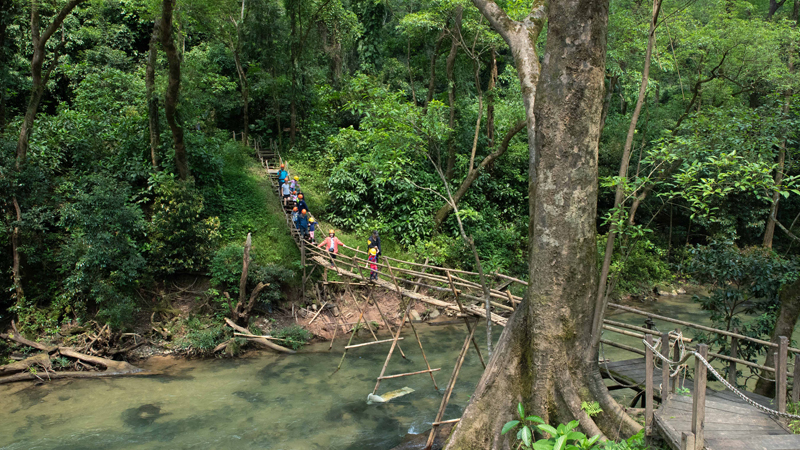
{"points": [[173, 89], [152, 99], [546, 358], [787, 319], [451, 91]]}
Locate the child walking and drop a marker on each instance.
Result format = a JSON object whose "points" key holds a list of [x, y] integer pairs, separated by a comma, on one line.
{"points": [[312, 225], [373, 264]]}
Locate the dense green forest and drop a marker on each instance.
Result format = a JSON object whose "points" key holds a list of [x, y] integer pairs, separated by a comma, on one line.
{"points": [[127, 129]]}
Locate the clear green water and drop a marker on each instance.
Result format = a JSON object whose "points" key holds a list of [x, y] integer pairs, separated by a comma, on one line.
{"points": [[263, 402], [267, 401]]}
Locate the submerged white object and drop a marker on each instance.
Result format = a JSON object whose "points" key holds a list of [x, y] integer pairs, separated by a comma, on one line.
{"points": [[373, 399]]}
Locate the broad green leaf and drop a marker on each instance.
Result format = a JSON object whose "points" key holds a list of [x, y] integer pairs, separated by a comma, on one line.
{"points": [[509, 425]]}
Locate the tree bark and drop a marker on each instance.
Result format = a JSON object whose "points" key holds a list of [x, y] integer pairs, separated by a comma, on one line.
{"points": [[451, 91], [545, 358], [173, 89], [432, 80], [490, 99], [602, 291], [446, 209], [245, 91], [769, 231], [6, 7], [39, 79], [152, 99], [784, 326]]}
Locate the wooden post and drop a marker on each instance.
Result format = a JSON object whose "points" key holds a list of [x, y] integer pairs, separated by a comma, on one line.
{"points": [[303, 263], [391, 349], [665, 366], [411, 322], [699, 397], [734, 354], [796, 379], [648, 383], [676, 356], [466, 320], [378, 307], [687, 441], [450, 385], [780, 373]]}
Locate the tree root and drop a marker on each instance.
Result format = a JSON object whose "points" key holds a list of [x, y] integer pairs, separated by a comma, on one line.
{"points": [[25, 370]]}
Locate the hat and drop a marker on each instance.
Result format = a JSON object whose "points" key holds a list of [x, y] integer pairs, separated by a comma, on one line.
{"points": [[373, 251]]}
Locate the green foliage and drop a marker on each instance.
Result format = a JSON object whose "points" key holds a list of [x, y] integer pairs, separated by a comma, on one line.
{"points": [[181, 234], [561, 438], [744, 281], [295, 336], [201, 335], [591, 409], [636, 267], [226, 273], [101, 258]]}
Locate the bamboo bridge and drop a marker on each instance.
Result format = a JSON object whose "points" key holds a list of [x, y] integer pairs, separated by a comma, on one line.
{"points": [[690, 415]]}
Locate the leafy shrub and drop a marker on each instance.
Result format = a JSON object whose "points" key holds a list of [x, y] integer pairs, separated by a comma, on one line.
{"points": [[743, 280], [101, 257], [182, 237], [226, 272], [637, 268], [563, 437], [201, 337], [295, 336]]}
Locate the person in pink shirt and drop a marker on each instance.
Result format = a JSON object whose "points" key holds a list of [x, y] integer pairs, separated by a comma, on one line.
{"points": [[331, 243]]}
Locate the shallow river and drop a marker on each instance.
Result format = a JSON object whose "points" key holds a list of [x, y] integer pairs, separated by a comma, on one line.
{"points": [[262, 402]]}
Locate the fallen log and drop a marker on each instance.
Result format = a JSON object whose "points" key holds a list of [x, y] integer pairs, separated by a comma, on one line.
{"points": [[40, 359], [16, 337], [111, 366], [28, 376], [261, 341]]}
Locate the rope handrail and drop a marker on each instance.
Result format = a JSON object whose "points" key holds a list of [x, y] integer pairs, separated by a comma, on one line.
{"points": [[719, 378]]}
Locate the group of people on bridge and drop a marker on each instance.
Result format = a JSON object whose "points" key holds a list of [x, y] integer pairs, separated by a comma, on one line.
{"points": [[306, 224]]}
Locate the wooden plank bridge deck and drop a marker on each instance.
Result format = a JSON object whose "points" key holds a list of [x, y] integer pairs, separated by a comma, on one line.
{"points": [[730, 423]]}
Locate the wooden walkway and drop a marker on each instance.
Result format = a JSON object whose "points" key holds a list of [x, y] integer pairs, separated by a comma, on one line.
{"points": [[730, 423]]}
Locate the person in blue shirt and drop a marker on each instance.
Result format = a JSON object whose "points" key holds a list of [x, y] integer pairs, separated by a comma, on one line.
{"points": [[302, 223], [282, 175]]}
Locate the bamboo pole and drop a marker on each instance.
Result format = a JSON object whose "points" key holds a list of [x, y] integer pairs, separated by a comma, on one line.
{"points": [[411, 322], [391, 349], [399, 375], [466, 321], [450, 385], [372, 343], [383, 317], [341, 361]]}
